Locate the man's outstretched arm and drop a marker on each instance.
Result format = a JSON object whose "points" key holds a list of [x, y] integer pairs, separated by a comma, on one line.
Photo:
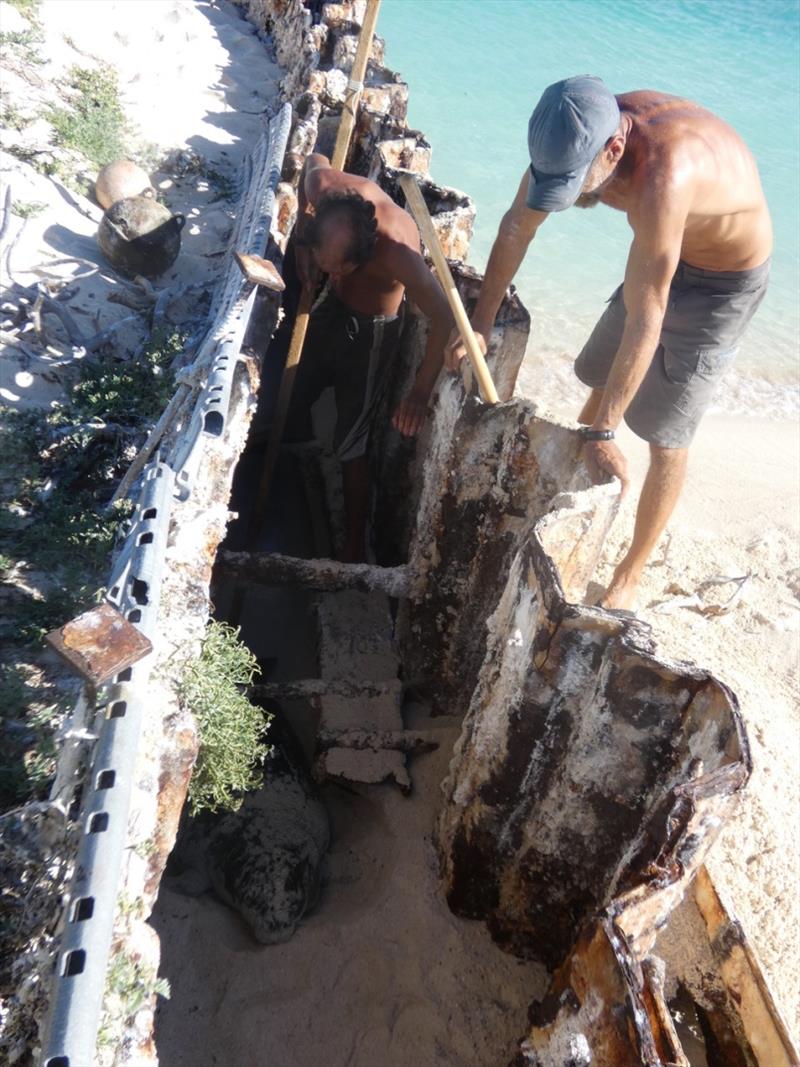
{"points": [[426, 292], [658, 226], [517, 229]]}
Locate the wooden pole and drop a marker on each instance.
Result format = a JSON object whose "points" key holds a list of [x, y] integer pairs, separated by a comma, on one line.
{"points": [[279, 418], [355, 86], [419, 210], [346, 125]]}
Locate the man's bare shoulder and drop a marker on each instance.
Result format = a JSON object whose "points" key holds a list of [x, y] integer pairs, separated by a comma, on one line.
{"points": [[664, 122]]}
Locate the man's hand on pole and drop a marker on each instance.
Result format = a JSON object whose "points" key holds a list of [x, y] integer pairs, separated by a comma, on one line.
{"points": [[455, 349]]}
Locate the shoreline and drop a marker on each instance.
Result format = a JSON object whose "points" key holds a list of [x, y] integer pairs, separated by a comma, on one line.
{"points": [[746, 391]]}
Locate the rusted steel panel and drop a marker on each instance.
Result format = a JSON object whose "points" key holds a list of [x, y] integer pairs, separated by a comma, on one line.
{"points": [[490, 474], [100, 643], [596, 1011], [763, 1027], [589, 774]]}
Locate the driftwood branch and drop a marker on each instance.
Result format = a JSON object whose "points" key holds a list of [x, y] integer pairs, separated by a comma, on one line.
{"points": [[327, 575]]}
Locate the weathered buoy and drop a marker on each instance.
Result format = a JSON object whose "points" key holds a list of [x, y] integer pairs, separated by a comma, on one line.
{"points": [[119, 181], [140, 236]]}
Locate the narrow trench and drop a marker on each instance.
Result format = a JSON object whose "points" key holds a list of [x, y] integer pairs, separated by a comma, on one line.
{"points": [[379, 971]]}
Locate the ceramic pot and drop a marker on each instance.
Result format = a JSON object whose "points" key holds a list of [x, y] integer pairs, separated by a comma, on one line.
{"points": [[140, 236]]}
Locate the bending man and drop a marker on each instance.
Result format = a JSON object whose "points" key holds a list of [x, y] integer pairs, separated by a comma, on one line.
{"points": [[696, 272], [369, 248]]}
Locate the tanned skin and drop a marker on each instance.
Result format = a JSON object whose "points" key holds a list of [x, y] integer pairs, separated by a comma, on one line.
{"points": [[691, 191], [374, 288]]}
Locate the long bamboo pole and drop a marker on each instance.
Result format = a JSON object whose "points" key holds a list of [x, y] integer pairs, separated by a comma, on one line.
{"points": [[355, 86], [419, 209], [347, 121]]}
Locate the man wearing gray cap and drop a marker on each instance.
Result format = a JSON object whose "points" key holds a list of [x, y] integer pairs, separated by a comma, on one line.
{"points": [[696, 272]]}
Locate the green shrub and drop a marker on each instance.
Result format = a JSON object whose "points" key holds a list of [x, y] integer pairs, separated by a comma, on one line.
{"points": [[130, 986], [27, 209], [26, 7], [28, 751], [94, 123], [57, 475], [231, 729]]}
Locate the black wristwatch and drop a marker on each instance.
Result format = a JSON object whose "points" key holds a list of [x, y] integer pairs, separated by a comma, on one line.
{"points": [[588, 434]]}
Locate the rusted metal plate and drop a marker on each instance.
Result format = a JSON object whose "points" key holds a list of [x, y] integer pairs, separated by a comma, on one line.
{"points": [[99, 643], [260, 271]]}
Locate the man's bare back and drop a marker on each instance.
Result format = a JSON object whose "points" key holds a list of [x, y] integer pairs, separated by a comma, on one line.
{"points": [[670, 141], [375, 288]]}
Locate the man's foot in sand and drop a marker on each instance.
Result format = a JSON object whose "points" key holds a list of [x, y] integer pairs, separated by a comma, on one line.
{"points": [[621, 592]]}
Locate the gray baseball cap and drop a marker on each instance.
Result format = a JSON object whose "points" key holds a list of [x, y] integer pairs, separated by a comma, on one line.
{"points": [[569, 126]]}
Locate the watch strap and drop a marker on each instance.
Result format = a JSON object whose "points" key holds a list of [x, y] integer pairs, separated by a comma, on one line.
{"points": [[588, 434]]}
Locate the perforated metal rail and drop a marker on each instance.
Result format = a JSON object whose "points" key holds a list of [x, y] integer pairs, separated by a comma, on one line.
{"points": [[79, 978]]}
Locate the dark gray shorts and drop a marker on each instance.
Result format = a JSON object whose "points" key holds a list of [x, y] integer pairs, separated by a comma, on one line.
{"points": [[706, 315]]}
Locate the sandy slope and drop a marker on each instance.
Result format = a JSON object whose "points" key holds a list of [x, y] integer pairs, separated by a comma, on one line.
{"points": [[195, 82]]}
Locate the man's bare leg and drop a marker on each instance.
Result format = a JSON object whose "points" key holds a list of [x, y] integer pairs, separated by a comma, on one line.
{"points": [[660, 492], [355, 485]]}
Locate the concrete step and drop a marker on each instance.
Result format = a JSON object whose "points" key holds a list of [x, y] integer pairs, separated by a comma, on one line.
{"points": [[356, 637]]}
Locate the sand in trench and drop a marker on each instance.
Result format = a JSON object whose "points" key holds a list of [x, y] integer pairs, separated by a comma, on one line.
{"points": [[381, 973]]}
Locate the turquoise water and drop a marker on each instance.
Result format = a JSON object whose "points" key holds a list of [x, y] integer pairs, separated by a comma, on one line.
{"points": [[476, 68]]}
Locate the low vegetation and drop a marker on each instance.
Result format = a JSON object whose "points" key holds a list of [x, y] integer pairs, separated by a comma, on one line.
{"points": [[29, 8], [58, 469], [232, 744], [93, 123], [130, 986]]}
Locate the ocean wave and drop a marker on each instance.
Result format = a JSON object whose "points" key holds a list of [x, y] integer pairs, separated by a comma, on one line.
{"points": [[547, 377]]}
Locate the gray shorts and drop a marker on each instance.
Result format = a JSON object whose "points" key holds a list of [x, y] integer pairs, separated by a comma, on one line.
{"points": [[706, 315]]}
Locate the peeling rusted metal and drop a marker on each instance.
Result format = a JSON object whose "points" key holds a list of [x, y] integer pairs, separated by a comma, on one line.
{"points": [[596, 1011], [749, 995]]}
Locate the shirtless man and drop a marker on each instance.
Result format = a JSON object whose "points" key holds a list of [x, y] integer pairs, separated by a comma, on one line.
{"points": [[696, 272], [369, 248]]}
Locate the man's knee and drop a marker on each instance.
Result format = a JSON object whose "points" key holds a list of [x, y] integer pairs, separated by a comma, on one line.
{"points": [[668, 456], [668, 465]]}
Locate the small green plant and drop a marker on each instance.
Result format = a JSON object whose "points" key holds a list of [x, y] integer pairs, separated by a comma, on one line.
{"points": [[28, 724], [27, 209], [127, 393], [94, 124], [27, 8], [130, 986], [223, 186], [58, 472], [11, 118], [232, 746], [23, 39]]}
